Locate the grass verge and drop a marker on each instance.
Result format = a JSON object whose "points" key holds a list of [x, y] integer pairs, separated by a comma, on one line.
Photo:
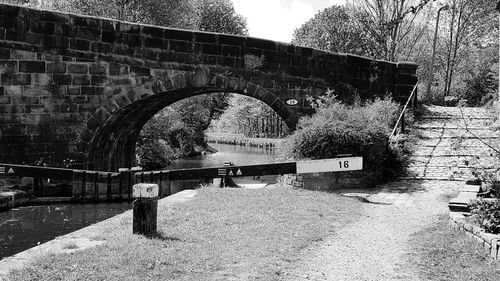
{"points": [[443, 253], [223, 234]]}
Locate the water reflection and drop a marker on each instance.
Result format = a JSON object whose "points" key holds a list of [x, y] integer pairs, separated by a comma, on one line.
{"points": [[240, 155], [25, 227]]}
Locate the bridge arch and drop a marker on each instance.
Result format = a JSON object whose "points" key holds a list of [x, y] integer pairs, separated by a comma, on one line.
{"points": [[113, 129], [69, 82]]}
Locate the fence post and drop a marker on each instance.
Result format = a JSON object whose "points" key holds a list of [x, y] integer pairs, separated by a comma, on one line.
{"points": [[403, 125], [145, 209]]}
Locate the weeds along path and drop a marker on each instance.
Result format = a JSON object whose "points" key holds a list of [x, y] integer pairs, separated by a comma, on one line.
{"points": [[376, 247]]}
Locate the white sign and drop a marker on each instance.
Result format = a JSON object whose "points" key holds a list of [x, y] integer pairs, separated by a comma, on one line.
{"points": [[2, 169], [292, 102], [11, 171], [145, 190], [330, 165]]}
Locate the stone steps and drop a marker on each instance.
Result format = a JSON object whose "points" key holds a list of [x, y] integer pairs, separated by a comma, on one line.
{"points": [[446, 150]]}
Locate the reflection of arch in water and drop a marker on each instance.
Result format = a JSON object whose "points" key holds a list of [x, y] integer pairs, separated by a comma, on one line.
{"points": [[115, 126]]}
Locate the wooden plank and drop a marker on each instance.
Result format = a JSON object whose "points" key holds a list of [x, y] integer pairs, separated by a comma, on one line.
{"points": [[156, 179], [78, 184], [115, 187], [102, 185], [138, 177], [36, 172], [234, 171], [90, 184], [126, 183], [343, 164], [165, 184]]}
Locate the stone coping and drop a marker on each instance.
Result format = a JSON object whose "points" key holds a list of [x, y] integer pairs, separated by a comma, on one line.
{"points": [[459, 208], [490, 242], [81, 239]]}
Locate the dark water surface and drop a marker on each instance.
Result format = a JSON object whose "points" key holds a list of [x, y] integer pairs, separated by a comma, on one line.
{"points": [[26, 227]]}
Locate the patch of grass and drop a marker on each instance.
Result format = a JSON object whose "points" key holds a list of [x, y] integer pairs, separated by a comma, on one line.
{"points": [[222, 234], [70, 246], [443, 253]]}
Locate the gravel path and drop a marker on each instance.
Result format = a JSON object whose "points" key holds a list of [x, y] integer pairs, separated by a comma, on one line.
{"points": [[376, 246]]}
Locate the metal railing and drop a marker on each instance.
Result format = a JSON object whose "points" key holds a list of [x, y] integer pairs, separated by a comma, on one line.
{"points": [[401, 120]]}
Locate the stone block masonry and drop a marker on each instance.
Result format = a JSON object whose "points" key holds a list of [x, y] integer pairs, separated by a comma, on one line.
{"points": [[80, 88], [491, 242]]}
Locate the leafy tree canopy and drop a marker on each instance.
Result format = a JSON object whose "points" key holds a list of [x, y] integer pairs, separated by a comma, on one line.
{"points": [[220, 16], [334, 30], [171, 13]]}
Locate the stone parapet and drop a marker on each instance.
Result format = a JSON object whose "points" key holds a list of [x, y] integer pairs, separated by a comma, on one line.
{"points": [[72, 86]]}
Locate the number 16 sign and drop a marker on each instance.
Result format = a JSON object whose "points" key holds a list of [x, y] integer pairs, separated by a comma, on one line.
{"points": [[330, 165]]}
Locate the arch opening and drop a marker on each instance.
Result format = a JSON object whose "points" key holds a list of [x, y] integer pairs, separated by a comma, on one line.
{"points": [[113, 145]]}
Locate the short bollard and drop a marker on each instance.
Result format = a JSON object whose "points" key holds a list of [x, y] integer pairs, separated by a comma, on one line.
{"points": [[145, 209]]}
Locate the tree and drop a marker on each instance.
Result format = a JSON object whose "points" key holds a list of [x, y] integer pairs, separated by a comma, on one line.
{"points": [[389, 23], [333, 29], [220, 16], [250, 117], [171, 13], [472, 22]]}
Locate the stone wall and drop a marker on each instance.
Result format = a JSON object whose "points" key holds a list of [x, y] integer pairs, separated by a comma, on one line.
{"points": [[76, 90], [328, 181]]}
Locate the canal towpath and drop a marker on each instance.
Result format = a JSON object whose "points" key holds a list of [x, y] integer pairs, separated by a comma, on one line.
{"points": [[81, 239], [375, 247]]}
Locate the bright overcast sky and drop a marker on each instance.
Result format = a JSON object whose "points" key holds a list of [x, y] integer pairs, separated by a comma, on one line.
{"points": [[277, 19]]}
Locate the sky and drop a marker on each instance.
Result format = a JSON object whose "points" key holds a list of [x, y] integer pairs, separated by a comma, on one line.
{"points": [[277, 19]]}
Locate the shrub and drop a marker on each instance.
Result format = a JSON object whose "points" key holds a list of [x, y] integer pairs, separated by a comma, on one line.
{"points": [[480, 88], [154, 154], [357, 129], [487, 214]]}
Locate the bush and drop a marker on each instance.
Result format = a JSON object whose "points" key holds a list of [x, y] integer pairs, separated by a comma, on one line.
{"points": [[487, 214], [480, 88], [336, 128], [154, 154]]}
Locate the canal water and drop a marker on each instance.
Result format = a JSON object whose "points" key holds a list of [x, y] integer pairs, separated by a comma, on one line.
{"points": [[25, 227], [239, 155]]}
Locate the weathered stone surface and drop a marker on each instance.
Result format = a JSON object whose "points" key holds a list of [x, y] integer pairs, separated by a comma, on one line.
{"points": [[74, 67]]}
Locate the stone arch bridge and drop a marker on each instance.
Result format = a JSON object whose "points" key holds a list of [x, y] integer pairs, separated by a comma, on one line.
{"points": [[78, 87]]}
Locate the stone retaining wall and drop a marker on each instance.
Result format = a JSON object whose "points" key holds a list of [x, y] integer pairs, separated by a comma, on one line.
{"points": [[490, 242], [326, 181]]}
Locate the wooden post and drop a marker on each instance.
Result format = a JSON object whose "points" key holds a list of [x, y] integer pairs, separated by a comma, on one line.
{"points": [[403, 125], [227, 181], [145, 209]]}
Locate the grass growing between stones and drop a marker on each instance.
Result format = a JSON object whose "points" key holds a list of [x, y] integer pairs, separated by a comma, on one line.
{"points": [[222, 234], [443, 253]]}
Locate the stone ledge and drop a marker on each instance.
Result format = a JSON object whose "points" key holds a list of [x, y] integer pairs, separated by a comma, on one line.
{"points": [[489, 241]]}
